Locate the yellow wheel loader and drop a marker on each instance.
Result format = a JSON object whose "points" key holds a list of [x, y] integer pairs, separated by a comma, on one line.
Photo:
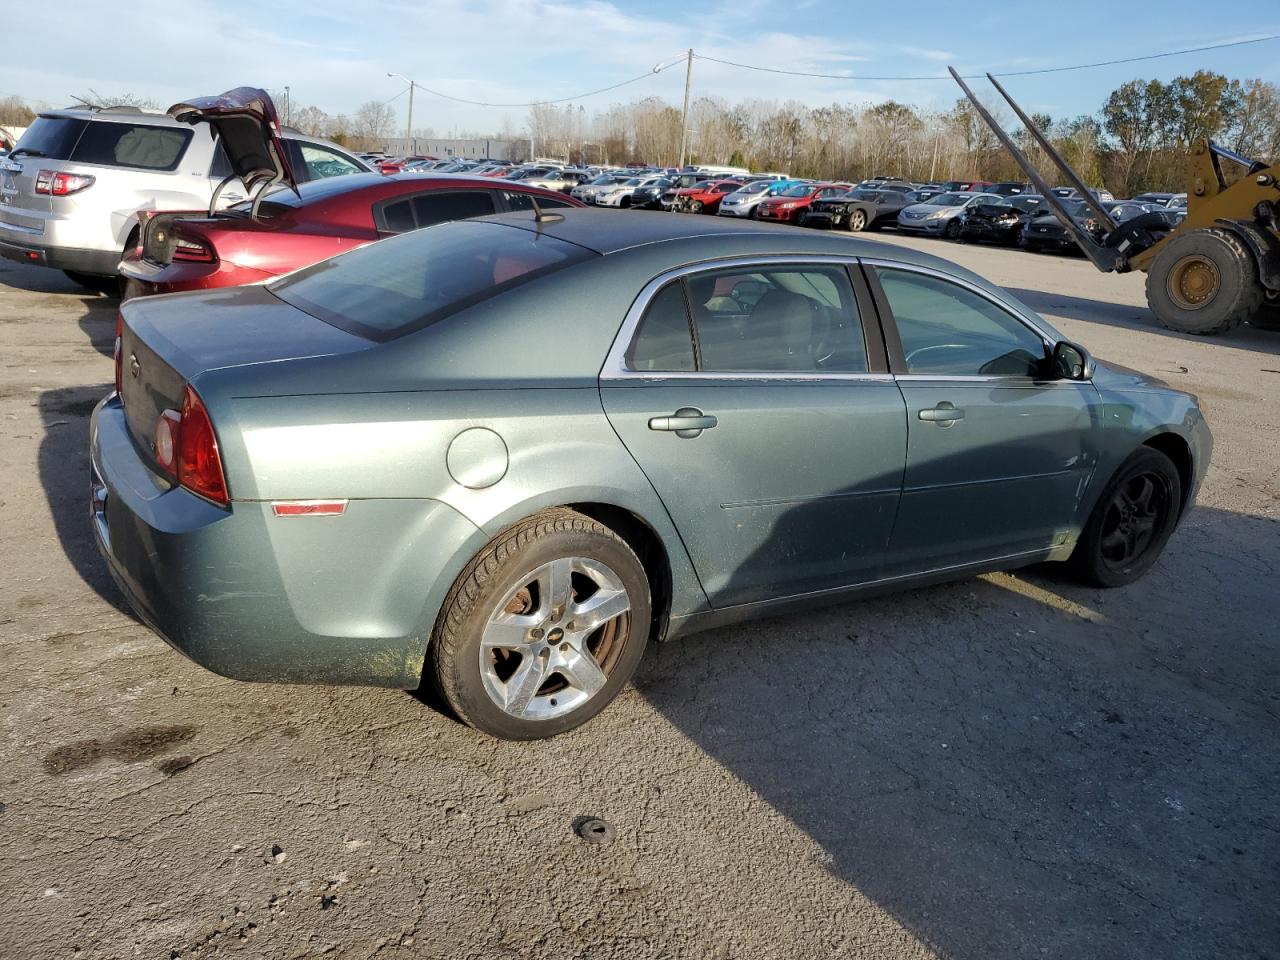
{"points": [[1217, 269]]}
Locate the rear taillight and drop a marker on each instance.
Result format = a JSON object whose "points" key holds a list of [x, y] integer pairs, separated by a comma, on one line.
{"points": [[190, 251], [186, 448], [119, 353], [62, 184]]}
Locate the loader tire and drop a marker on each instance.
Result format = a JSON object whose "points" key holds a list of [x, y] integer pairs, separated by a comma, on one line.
{"points": [[1204, 282]]}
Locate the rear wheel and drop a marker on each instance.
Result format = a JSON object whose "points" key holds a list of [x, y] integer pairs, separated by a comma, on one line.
{"points": [[1131, 522], [543, 628], [858, 221], [1204, 282]]}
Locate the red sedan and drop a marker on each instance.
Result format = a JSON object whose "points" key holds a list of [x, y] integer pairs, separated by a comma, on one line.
{"points": [[704, 197], [193, 251], [791, 204]]}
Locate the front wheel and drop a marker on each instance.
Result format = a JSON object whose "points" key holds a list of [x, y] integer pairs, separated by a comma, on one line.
{"points": [[695, 206], [953, 230], [1204, 282], [1131, 522], [858, 221], [542, 629]]}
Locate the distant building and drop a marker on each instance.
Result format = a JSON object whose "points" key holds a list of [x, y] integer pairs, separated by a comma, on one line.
{"points": [[494, 148]]}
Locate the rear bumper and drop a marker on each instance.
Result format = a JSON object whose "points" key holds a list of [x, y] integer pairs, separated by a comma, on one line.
{"points": [[98, 262], [254, 597]]}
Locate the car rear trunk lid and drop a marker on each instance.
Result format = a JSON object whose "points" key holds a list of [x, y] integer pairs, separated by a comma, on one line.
{"points": [[246, 121], [168, 341]]}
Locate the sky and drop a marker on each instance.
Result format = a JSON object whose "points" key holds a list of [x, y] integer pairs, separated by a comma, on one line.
{"points": [[336, 54]]}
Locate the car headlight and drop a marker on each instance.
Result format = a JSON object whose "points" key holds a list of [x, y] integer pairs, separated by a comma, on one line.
{"points": [[939, 214]]}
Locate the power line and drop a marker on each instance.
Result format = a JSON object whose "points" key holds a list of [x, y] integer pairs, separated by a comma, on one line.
{"points": [[979, 76], [581, 96]]}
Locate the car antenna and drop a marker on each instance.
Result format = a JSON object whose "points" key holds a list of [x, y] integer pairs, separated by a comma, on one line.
{"points": [[540, 215]]}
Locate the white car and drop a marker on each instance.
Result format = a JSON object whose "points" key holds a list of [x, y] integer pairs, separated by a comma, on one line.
{"points": [[939, 215], [586, 192], [619, 194]]}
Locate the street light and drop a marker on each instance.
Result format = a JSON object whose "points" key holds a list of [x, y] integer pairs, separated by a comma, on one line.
{"points": [[688, 81], [408, 133]]}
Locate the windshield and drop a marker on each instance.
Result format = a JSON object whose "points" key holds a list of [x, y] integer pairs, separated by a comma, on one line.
{"points": [[52, 137], [949, 199], [752, 188], [634, 182], [799, 190], [387, 289]]}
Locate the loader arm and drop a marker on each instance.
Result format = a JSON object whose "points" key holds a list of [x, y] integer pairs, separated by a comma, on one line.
{"points": [[1106, 259]]}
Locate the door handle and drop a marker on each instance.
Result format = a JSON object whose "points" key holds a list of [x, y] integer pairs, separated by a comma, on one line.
{"points": [[945, 414], [687, 422]]}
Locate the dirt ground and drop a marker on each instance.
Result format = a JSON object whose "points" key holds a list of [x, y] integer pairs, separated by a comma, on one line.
{"points": [[1009, 766]]}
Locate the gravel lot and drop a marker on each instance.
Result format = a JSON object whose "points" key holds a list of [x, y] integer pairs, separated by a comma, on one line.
{"points": [[1009, 766]]}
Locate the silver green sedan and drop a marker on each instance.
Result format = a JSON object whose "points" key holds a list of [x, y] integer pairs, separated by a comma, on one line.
{"points": [[502, 455]]}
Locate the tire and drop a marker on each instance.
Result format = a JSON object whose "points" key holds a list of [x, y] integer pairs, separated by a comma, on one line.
{"points": [[1204, 282], [625, 203], [474, 677], [801, 217], [695, 206], [1122, 540], [952, 232], [90, 281], [857, 221]]}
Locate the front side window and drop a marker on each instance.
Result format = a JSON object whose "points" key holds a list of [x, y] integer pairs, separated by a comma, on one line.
{"points": [[798, 319], [948, 330]]}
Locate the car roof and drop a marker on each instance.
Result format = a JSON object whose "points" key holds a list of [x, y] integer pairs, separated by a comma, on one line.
{"points": [[610, 232]]}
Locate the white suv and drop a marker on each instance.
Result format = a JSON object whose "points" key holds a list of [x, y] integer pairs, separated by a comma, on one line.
{"points": [[71, 189]]}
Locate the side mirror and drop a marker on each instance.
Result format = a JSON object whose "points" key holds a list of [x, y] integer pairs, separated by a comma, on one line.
{"points": [[1070, 361]]}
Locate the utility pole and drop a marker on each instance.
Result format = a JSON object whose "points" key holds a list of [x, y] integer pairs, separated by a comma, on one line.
{"points": [[684, 116], [408, 132], [408, 139], [288, 106]]}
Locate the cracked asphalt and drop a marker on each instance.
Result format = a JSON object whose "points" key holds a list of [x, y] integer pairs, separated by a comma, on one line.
{"points": [[1004, 767]]}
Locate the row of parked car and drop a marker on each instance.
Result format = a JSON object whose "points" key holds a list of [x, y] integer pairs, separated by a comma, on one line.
{"points": [[958, 210]]}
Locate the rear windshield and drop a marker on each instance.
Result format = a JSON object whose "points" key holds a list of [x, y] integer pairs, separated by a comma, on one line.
{"points": [[52, 137], [136, 145], [402, 284]]}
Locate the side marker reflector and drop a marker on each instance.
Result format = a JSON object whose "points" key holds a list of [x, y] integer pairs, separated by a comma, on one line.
{"points": [[309, 508]]}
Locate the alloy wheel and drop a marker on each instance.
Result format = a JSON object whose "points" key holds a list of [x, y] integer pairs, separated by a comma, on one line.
{"points": [[1133, 520], [857, 220], [554, 639]]}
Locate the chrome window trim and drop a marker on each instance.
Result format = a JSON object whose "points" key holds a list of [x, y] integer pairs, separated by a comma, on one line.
{"points": [[615, 364]]}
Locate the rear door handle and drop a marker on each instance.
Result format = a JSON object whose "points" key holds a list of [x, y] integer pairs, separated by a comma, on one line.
{"points": [[945, 414], [687, 422]]}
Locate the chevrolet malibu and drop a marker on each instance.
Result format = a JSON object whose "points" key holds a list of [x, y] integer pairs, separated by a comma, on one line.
{"points": [[503, 455]]}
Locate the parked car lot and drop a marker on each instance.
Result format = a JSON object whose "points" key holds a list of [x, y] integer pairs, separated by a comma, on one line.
{"points": [[998, 732]]}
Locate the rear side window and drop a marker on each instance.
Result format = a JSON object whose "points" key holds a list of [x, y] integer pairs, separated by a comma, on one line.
{"points": [[664, 340], [801, 319], [440, 206], [52, 137], [132, 145], [402, 284]]}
